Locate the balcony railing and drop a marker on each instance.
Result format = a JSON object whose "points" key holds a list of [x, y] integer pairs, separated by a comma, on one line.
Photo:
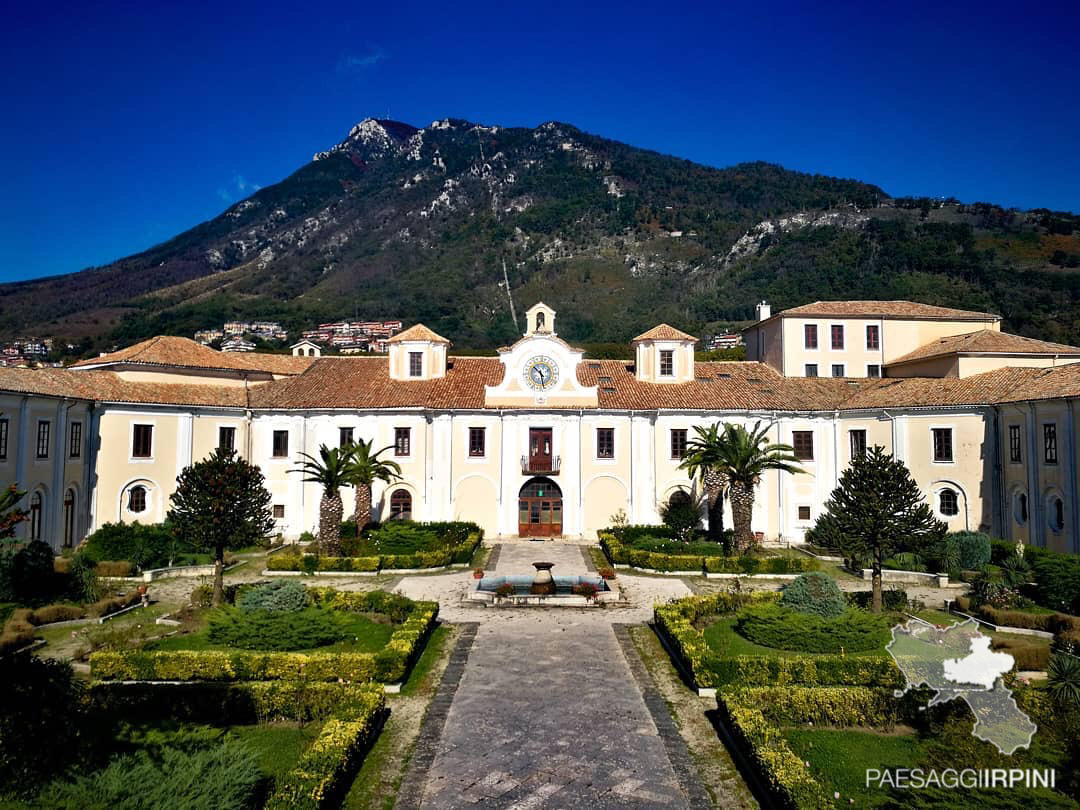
{"points": [[540, 465]]}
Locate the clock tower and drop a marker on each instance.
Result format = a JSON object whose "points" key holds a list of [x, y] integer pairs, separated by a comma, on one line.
{"points": [[540, 370]]}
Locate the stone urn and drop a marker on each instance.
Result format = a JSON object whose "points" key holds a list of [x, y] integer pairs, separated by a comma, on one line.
{"points": [[542, 583]]}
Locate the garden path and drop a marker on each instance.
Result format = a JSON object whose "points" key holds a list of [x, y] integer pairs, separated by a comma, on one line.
{"points": [[548, 711]]}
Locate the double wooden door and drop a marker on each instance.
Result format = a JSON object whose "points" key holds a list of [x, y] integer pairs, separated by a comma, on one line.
{"points": [[540, 509]]}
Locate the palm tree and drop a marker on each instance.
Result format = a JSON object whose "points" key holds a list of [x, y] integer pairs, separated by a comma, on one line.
{"points": [[699, 461], [741, 456], [332, 471], [365, 468]]}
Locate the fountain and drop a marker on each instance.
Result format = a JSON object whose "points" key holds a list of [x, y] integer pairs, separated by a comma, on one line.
{"points": [[543, 584]]}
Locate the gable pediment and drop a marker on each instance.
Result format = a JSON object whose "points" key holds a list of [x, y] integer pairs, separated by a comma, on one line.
{"points": [[540, 370]]}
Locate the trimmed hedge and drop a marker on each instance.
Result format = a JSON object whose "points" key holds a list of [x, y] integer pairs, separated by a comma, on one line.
{"points": [[620, 553], [677, 620], [322, 773], [1047, 622], [820, 705], [459, 554], [782, 769], [388, 665]]}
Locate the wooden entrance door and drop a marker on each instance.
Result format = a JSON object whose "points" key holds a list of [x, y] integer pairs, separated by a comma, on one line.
{"points": [[540, 455], [540, 509]]}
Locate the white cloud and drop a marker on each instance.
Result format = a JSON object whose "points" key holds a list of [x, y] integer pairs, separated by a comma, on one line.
{"points": [[359, 62], [983, 666], [238, 187]]}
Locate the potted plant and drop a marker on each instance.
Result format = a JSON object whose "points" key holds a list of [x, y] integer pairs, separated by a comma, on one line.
{"points": [[504, 590], [607, 573], [586, 589], [478, 573]]}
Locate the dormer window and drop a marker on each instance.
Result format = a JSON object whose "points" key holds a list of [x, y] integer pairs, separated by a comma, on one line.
{"points": [[539, 321]]}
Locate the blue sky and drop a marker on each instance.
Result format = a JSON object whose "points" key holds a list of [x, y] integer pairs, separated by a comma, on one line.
{"points": [[127, 123]]}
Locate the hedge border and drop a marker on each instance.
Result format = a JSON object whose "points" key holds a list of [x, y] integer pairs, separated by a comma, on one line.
{"points": [[676, 622], [454, 555], [388, 665], [620, 555]]}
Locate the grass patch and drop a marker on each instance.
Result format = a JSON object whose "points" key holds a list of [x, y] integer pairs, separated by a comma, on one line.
{"points": [[277, 746], [433, 651], [839, 759], [722, 638], [361, 634]]}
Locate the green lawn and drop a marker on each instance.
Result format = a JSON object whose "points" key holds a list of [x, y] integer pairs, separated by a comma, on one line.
{"points": [[839, 759], [363, 635], [277, 746], [722, 638]]}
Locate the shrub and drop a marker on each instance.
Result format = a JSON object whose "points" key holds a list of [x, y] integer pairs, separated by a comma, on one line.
{"points": [[58, 613], [973, 549], [83, 582], [1057, 582], [26, 571], [815, 594], [894, 599], [606, 573], [504, 590], [1027, 655], [282, 595], [784, 629], [225, 776], [146, 546], [820, 705], [683, 515], [274, 630], [40, 705], [586, 589]]}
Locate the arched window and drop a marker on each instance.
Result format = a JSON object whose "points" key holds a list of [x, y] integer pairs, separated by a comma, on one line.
{"points": [[948, 504], [69, 518], [37, 504], [400, 505], [679, 497], [1020, 508], [539, 321], [1056, 513], [137, 499]]}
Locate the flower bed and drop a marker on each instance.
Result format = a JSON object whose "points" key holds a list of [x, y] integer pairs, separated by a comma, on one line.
{"points": [[388, 665], [677, 621], [620, 553], [459, 554]]}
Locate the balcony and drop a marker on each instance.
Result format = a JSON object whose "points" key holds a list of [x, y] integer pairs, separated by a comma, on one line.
{"points": [[540, 465]]}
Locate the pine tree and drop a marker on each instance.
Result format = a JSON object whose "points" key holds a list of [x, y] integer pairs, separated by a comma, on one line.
{"points": [[877, 511], [221, 502]]}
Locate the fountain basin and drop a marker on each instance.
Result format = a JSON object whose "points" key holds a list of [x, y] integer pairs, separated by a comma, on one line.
{"points": [[563, 594]]}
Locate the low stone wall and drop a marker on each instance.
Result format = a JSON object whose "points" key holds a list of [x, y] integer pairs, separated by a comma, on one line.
{"points": [[909, 577]]}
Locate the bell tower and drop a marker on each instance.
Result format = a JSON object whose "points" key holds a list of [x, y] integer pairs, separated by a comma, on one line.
{"points": [[539, 320]]}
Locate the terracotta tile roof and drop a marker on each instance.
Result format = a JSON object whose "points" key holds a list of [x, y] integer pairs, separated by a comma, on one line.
{"points": [[417, 332], [885, 309], [664, 332], [185, 353], [106, 386], [986, 341]]}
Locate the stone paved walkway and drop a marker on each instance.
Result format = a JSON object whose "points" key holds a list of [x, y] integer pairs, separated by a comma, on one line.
{"points": [[547, 713]]}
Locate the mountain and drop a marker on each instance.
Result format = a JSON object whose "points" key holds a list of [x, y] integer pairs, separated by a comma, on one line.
{"points": [[430, 224]]}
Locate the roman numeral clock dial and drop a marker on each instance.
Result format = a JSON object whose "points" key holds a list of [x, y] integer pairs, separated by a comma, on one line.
{"points": [[541, 373]]}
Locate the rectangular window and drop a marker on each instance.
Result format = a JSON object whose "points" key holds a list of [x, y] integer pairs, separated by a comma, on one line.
{"points": [[667, 363], [811, 369], [803, 443], [3, 439], [1016, 456], [416, 364], [810, 336], [605, 442], [873, 371], [838, 370], [279, 511], [678, 443], [477, 442], [873, 337], [402, 441], [226, 438], [1050, 443], [281, 444], [804, 513], [344, 436], [75, 440], [857, 438], [942, 444], [43, 428], [837, 331], [142, 441]]}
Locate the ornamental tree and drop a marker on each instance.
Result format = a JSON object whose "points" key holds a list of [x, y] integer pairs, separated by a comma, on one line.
{"points": [[221, 502], [11, 514], [877, 511]]}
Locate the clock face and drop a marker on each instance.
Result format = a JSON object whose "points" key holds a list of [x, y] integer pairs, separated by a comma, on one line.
{"points": [[541, 373]]}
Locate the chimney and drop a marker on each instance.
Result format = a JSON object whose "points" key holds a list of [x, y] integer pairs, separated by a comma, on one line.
{"points": [[764, 311]]}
